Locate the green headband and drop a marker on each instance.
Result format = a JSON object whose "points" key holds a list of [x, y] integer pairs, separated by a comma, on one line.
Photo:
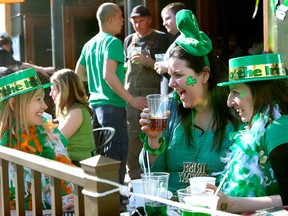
{"points": [[191, 39], [255, 68], [19, 83]]}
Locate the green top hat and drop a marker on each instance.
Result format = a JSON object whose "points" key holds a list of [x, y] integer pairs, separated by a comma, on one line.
{"points": [[255, 68], [19, 83]]}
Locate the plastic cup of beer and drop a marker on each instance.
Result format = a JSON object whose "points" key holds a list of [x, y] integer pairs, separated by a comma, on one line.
{"points": [[155, 184], [133, 51], [157, 105], [205, 199]]}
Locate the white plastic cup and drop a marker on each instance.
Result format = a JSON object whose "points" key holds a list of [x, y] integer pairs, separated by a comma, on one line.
{"points": [[198, 184], [137, 187]]}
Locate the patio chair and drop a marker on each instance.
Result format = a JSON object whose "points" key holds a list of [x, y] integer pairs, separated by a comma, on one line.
{"points": [[102, 138]]}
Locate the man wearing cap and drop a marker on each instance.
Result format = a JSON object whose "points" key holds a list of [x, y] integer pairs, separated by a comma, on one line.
{"points": [[6, 58], [141, 78]]}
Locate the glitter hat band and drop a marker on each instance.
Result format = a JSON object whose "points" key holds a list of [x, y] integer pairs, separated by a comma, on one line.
{"points": [[255, 68], [19, 83]]}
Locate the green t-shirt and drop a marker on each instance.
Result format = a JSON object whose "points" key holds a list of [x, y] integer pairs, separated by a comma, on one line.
{"points": [[179, 157], [275, 135], [101, 47], [251, 173], [82, 142]]}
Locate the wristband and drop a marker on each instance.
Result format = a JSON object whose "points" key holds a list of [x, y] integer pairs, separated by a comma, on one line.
{"points": [[144, 138]]}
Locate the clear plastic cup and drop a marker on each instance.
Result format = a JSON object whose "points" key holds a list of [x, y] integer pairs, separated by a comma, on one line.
{"points": [[157, 105], [156, 184], [205, 199]]}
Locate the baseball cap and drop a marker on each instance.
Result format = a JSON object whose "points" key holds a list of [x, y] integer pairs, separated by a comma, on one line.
{"points": [[140, 10]]}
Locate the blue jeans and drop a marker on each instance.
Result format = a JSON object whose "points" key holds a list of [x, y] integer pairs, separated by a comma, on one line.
{"points": [[111, 116]]}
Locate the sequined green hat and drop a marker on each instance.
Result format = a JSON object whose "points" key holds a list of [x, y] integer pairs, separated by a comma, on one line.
{"points": [[191, 39], [255, 68], [19, 83]]}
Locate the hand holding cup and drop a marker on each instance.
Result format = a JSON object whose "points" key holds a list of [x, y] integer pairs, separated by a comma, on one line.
{"points": [[158, 106], [161, 64], [134, 54], [153, 119]]}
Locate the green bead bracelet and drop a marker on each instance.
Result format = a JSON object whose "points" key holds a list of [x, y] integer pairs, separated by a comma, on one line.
{"points": [[144, 138]]}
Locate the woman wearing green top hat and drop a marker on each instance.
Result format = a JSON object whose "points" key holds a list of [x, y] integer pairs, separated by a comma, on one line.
{"points": [[23, 127], [198, 127], [257, 167]]}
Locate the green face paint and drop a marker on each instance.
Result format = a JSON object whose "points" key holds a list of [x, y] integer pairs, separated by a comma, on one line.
{"points": [[191, 81], [242, 94]]}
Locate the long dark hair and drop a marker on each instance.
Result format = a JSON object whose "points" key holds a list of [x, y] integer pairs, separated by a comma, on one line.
{"points": [[217, 96], [268, 93]]}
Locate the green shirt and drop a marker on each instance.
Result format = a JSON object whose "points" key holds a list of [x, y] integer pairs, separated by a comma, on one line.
{"points": [[101, 47], [275, 135], [82, 142], [179, 158]]}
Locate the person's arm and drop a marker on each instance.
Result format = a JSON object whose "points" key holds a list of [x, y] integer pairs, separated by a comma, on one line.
{"points": [[160, 68], [245, 204], [153, 136], [46, 71], [279, 162], [71, 123], [109, 74], [80, 70], [250, 204]]}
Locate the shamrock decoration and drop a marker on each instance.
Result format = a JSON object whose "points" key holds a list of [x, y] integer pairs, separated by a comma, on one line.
{"points": [[191, 81]]}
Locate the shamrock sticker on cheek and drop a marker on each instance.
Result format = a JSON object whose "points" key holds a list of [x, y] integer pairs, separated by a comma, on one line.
{"points": [[191, 81], [242, 94]]}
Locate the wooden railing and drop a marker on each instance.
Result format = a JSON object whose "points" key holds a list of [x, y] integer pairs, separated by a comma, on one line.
{"points": [[83, 179]]}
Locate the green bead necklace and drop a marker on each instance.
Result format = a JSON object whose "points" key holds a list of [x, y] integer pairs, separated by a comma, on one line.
{"points": [[197, 146]]}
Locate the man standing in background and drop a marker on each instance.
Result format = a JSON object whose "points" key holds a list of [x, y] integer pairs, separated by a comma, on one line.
{"points": [[102, 61], [7, 60], [141, 78], [168, 14]]}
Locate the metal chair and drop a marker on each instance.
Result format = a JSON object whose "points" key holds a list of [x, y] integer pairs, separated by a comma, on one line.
{"points": [[102, 138]]}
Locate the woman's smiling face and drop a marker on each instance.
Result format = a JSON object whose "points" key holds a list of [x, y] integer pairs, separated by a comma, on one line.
{"points": [[36, 108], [240, 98], [192, 87]]}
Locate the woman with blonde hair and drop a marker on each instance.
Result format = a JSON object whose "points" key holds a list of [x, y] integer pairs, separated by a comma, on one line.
{"points": [[73, 114], [24, 128]]}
